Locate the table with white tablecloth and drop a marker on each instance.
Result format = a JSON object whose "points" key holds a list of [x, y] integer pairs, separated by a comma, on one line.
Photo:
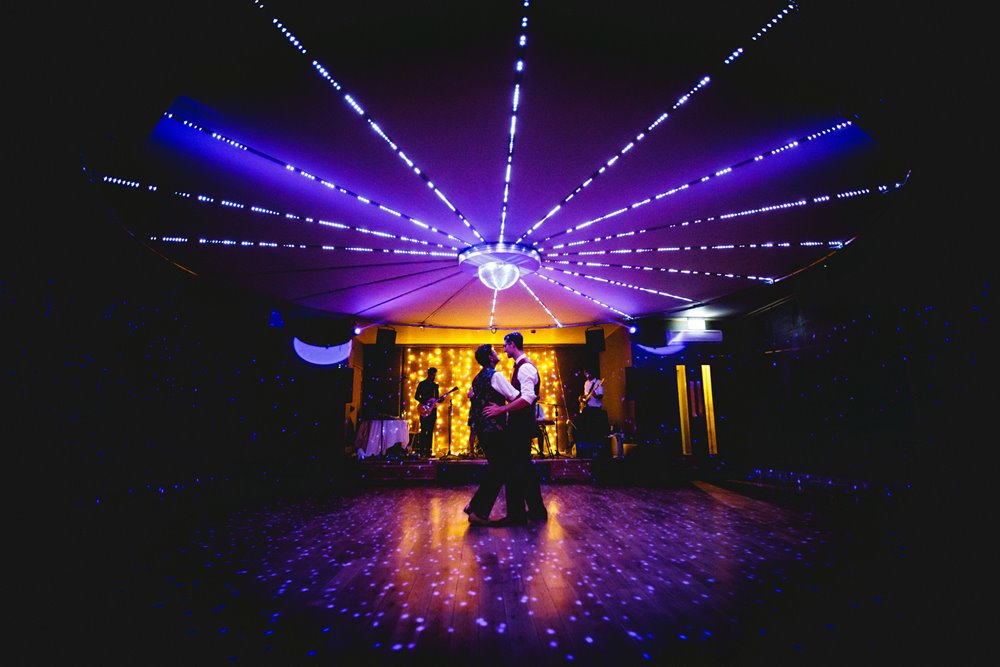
{"points": [[376, 436]]}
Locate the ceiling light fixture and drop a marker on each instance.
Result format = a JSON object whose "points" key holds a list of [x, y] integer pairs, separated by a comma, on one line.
{"points": [[500, 265], [498, 275]]}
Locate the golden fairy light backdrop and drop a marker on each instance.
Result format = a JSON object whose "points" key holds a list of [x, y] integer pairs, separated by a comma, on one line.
{"points": [[456, 366]]}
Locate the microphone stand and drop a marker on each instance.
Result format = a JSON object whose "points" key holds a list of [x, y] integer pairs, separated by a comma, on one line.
{"points": [[381, 438], [543, 434], [449, 455], [555, 409]]}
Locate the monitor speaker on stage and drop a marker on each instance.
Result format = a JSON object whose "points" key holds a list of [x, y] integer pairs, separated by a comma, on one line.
{"points": [[595, 340], [385, 337]]}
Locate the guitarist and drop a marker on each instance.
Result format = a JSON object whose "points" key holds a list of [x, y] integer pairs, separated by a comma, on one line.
{"points": [[427, 390], [591, 408], [593, 392]]}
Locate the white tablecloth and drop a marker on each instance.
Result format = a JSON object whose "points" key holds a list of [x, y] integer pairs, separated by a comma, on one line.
{"points": [[376, 436]]}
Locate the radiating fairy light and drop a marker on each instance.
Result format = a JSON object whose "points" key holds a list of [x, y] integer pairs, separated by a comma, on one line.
{"points": [[294, 246], [208, 199], [311, 177], [768, 208], [540, 303], [826, 132], [695, 272], [493, 309], [518, 76], [581, 294], [356, 106], [681, 101], [553, 262], [620, 283]]}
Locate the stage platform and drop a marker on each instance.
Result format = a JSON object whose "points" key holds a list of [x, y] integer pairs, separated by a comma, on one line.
{"points": [[457, 470]]}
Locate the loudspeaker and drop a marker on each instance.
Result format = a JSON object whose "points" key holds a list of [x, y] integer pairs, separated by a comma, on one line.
{"points": [[385, 337], [651, 333], [592, 450], [595, 340], [342, 379]]}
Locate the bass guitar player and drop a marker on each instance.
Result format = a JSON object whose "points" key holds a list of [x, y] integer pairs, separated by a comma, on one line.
{"points": [[593, 392], [588, 425], [427, 393]]}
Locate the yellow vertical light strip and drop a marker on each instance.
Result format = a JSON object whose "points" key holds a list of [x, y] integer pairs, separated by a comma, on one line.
{"points": [[706, 380], [682, 401]]}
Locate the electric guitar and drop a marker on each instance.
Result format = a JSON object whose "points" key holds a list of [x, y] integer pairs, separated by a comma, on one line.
{"points": [[427, 408], [585, 398]]}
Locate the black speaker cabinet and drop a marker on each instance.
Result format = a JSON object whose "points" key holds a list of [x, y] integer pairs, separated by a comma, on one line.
{"points": [[593, 450], [385, 337], [595, 340], [651, 333]]}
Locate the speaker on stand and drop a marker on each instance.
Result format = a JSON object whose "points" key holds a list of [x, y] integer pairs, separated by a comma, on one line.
{"points": [[385, 337], [595, 339]]}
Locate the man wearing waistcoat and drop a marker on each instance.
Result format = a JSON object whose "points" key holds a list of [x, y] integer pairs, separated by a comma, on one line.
{"points": [[523, 489], [489, 387]]}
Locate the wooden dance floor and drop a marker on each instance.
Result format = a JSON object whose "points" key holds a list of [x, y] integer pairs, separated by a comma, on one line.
{"points": [[698, 573]]}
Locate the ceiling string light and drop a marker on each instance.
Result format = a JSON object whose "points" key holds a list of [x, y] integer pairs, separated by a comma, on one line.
{"points": [[359, 110], [704, 179], [207, 199], [681, 101], [522, 41], [328, 184]]}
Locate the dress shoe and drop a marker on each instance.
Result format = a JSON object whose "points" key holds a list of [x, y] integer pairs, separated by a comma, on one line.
{"points": [[477, 520], [508, 521]]}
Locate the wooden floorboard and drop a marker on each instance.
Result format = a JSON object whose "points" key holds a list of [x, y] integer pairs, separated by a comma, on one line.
{"points": [[694, 573]]}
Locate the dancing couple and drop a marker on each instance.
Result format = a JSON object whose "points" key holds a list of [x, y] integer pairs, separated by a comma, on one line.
{"points": [[503, 419]]}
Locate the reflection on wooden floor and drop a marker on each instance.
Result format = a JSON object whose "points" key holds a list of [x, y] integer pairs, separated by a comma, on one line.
{"points": [[697, 574]]}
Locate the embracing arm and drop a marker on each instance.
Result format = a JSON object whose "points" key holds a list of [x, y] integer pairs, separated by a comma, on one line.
{"points": [[515, 398]]}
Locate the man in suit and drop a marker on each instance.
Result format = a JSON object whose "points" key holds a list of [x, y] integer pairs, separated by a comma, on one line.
{"points": [[523, 488], [488, 387]]}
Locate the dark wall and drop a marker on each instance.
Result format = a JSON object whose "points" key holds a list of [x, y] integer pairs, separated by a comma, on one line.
{"points": [[869, 369], [136, 383]]}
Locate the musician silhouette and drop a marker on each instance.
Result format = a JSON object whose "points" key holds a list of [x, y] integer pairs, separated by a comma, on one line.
{"points": [[427, 390], [592, 422], [593, 392]]}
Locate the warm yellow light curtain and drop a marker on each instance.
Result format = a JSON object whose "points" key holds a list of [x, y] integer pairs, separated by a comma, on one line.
{"points": [[456, 368]]}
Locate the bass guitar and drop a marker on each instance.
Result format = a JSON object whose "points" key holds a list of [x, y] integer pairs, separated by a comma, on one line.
{"points": [[427, 407], [586, 397]]}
